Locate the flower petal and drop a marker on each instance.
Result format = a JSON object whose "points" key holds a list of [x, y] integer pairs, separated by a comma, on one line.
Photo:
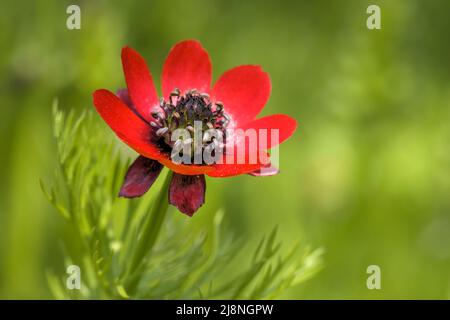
{"points": [[125, 97], [233, 165], [128, 126], [266, 126], [265, 172], [186, 169], [229, 170], [235, 168], [187, 193], [244, 91], [256, 158], [140, 83], [187, 67], [140, 176], [241, 154]]}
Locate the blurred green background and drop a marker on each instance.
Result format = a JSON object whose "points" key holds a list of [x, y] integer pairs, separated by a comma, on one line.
{"points": [[366, 176]]}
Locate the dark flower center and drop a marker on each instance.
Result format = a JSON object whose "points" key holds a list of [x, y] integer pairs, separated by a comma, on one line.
{"points": [[190, 111]]}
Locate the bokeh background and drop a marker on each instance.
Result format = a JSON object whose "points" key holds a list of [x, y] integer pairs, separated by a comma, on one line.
{"points": [[366, 176]]}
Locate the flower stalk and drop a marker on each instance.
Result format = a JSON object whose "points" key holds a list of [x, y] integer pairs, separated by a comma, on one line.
{"points": [[149, 234]]}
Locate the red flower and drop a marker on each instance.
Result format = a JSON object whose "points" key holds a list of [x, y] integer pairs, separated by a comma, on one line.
{"points": [[146, 122]]}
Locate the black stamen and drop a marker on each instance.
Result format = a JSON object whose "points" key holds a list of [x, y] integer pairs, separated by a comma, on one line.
{"points": [[181, 111]]}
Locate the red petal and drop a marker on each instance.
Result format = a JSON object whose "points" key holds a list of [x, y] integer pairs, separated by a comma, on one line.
{"points": [[284, 124], [229, 170], [187, 67], [187, 193], [127, 125], [140, 83], [265, 172], [244, 91], [125, 97], [140, 177], [234, 168], [185, 169]]}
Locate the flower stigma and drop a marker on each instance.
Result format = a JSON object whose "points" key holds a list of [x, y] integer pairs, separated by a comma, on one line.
{"points": [[191, 127]]}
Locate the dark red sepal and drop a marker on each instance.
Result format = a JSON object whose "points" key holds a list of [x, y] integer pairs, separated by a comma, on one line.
{"points": [[140, 177], [187, 193]]}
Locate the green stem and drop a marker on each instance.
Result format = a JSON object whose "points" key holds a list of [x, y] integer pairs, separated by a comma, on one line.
{"points": [[149, 234]]}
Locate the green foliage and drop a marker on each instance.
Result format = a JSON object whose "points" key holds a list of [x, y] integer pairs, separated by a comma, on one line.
{"points": [[127, 249]]}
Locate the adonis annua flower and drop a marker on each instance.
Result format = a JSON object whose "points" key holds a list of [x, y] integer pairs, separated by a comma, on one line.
{"points": [[193, 129]]}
